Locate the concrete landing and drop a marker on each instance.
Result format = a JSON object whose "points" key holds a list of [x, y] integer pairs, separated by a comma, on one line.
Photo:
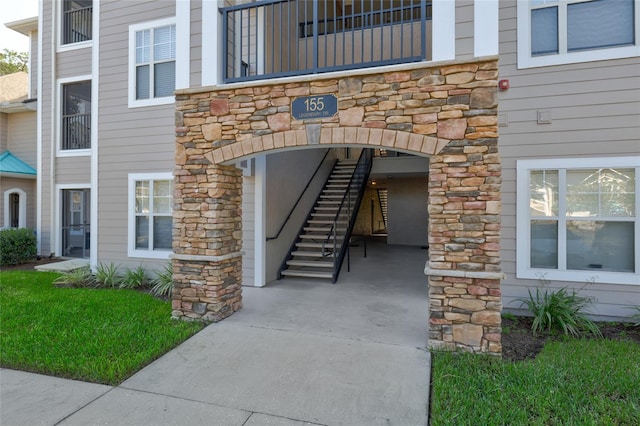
{"points": [[63, 266]]}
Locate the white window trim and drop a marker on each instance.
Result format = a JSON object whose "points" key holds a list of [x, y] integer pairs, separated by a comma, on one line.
{"points": [[71, 46], [133, 102], [22, 218], [71, 152], [523, 233], [525, 60], [131, 223]]}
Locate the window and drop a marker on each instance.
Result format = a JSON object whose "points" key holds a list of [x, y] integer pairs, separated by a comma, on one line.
{"points": [[554, 32], [15, 208], [77, 16], [76, 116], [578, 219], [152, 69], [150, 215]]}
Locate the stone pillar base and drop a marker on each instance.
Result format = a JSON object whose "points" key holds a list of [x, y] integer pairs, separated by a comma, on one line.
{"points": [[206, 290], [465, 314]]}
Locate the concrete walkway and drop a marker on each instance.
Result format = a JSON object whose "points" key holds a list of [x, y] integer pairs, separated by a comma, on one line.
{"points": [[298, 353]]}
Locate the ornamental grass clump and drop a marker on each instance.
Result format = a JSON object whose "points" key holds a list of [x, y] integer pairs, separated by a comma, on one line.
{"points": [[135, 278], [78, 278], [560, 310], [108, 276], [163, 282]]}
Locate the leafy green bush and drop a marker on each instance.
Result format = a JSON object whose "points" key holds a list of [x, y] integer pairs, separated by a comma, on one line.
{"points": [[135, 278], [108, 275], [163, 282], [17, 245], [560, 310], [635, 318], [78, 278]]}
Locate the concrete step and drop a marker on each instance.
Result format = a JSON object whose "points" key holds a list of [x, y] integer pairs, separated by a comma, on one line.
{"points": [[310, 263], [306, 274], [317, 245], [321, 229], [320, 237], [325, 222], [310, 253]]}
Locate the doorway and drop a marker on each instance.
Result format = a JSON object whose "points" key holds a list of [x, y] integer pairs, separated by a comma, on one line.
{"points": [[76, 231]]}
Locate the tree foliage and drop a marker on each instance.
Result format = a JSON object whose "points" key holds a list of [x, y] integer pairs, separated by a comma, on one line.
{"points": [[12, 61]]}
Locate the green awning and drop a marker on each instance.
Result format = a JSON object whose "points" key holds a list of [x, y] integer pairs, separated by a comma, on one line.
{"points": [[10, 164]]}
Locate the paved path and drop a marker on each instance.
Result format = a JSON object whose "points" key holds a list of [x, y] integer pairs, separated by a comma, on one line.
{"points": [[298, 353]]}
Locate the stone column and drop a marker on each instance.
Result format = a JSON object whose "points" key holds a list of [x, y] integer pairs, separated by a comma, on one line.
{"points": [[207, 228], [464, 247]]}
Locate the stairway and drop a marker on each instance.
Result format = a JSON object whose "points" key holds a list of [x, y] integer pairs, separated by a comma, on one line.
{"points": [[383, 198], [317, 252]]}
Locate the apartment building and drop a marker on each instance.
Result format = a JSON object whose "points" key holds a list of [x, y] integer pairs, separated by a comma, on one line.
{"points": [[235, 140]]}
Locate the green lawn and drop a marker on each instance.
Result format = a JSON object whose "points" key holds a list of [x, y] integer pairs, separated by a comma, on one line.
{"points": [[571, 382], [101, 336]]}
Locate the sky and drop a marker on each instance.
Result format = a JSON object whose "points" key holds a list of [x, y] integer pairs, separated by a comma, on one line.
{"points": [[15, 10]]}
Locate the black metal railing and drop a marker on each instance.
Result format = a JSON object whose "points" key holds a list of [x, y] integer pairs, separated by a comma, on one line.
{"points": [[76, 131], [304, 191], [346, 214], [278, 38], [77, 25], [364, 20]]}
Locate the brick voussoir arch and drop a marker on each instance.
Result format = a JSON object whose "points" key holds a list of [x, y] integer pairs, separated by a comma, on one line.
{"points": [[398, 140]]}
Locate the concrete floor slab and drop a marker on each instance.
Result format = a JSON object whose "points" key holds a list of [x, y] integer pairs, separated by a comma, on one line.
{"points": [[34, 399], [63, 266], [299, 376], [124, 407], [257, 419]]}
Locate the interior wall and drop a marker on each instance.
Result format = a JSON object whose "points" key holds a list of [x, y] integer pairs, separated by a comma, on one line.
{"points": [[408, 217]]}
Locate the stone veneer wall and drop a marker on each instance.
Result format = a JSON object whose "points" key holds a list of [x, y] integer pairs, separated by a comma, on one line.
{"points": [[447, 112]]}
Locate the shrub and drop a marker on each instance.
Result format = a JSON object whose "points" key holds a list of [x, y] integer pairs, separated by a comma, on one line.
{"points": [[108, 275], [163, 282], [78, 278], [135, 278], [560, 310], [17, 245], [635, 318]]}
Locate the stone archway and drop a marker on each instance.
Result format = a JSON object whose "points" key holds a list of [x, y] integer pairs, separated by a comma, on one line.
{"points": [[448, 112]]}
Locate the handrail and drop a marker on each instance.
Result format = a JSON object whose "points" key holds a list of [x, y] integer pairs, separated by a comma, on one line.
{"points": [[300, 197], [363, 167]]}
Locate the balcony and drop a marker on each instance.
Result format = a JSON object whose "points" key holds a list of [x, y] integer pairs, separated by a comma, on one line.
{"points": [[77, 21], [76, 131], [278, 38]]}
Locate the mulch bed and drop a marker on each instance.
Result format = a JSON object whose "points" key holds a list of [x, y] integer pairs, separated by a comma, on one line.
{"points": [[31, 265], [519, 343]]}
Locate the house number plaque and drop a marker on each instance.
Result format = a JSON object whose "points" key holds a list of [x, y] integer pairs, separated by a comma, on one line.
{"points": [[309, 107]]}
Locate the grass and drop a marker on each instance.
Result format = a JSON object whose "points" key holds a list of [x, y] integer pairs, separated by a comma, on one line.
{"points": [[96, 335], [572, 382]]}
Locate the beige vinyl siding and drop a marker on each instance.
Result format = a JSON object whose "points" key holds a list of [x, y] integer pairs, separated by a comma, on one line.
{"points": [[4, 131], [48, 138], [71, 63], [464, 29], [29, 187], [595, 110], [248, 230], [196, 44], [22, 135], [73, 170], [130, 140], [33, 64]]}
